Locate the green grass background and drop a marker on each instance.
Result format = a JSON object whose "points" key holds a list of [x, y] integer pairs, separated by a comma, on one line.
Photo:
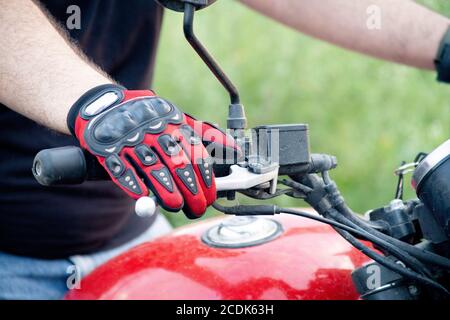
{"points": [[369, 113]]}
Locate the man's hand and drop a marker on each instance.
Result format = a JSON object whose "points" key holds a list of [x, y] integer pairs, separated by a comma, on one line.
{"points": [[145, 142]]}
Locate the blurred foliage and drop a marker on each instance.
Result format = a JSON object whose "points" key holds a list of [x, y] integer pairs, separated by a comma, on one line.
{"points": [[369, 113]]}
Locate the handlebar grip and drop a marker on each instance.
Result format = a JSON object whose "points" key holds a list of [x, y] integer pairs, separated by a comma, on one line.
{"points": [[70, 165], [66, 166]]}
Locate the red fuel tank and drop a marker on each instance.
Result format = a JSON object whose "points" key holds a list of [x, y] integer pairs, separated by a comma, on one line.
{"points": [[280, 257]]}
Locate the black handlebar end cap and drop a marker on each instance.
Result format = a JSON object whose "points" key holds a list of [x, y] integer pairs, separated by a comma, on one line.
{"points": [[60, 166]]}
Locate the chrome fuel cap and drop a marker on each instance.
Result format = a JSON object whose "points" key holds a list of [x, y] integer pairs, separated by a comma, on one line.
{"points": [[240, 232]]}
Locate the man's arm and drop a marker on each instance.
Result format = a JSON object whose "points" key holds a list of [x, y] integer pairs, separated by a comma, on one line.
{"points": [[41, 73], [409, 33]]}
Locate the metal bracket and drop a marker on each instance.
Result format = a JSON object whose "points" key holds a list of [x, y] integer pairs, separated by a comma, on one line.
{"points": [[240, 178]]}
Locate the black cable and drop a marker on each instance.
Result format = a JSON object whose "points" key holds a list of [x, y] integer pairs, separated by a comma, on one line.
{"points": [[390, 264], [387, 246], [402, 255], [245, 210], [344, 230], [420, 254], [261, 195], [271, 210], [296, 185], [409, 260]]}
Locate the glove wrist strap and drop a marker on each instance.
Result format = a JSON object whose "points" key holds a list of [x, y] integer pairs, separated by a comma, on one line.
{"points": [[93, 102]]}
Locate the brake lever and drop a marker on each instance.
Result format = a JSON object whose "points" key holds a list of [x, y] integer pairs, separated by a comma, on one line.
{"points": [[240, 178]]}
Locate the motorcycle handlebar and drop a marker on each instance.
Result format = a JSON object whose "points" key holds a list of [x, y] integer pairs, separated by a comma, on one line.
{"points": [[71, 165]]}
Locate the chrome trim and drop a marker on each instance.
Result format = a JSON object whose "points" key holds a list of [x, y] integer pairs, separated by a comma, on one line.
{"points": [[430, 162]]}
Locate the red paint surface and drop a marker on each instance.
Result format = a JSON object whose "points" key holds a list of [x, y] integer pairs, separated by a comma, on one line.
{"points": [[309, 261]]}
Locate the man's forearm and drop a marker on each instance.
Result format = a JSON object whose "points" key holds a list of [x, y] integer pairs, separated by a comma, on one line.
{"points": [[409, 33], [41, 75]]}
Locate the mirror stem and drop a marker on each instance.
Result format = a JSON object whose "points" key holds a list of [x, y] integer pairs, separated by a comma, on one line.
{"points": [[188, 28]]}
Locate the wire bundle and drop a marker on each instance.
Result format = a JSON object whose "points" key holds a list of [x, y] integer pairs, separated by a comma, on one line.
{"points": [[322, 194]]}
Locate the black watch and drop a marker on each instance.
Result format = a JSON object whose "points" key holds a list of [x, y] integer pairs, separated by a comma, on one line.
{"points": [[442, 61]]}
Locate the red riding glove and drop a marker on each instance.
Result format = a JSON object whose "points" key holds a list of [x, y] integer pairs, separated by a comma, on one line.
{"points": [[144, 142]]}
